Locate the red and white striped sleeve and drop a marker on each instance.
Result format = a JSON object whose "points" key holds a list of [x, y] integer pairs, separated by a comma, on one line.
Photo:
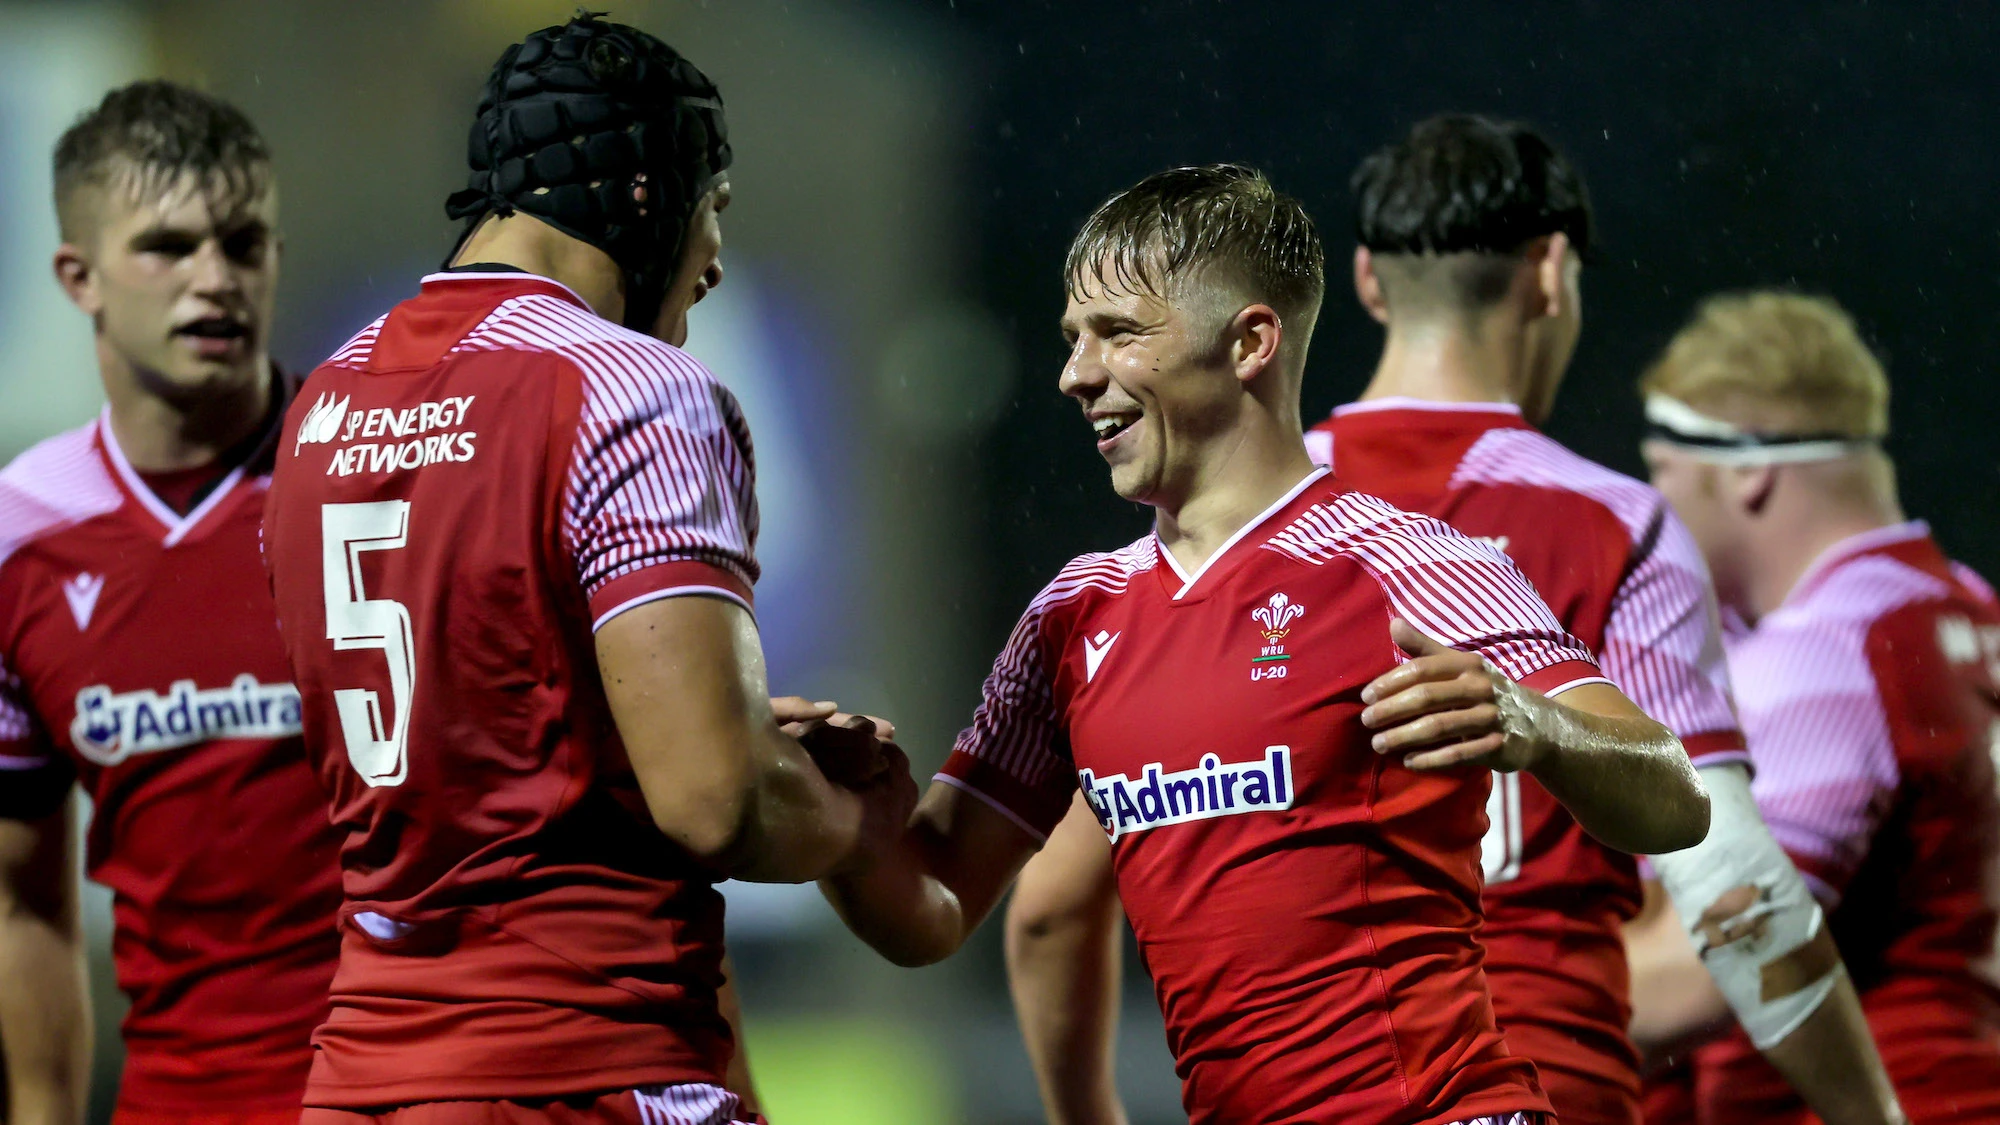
{"points": [[1826, 760], [1015, 756], [1663, 642], [661, 495], [1467, 594]]}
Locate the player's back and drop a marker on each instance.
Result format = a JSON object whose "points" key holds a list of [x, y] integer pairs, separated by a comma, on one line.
{"points": [[1607, 554], [462, 491], [1872, 698]]}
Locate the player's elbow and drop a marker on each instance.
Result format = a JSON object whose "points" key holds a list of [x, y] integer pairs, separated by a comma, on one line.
{"points": [[715, 827], [913, 947], [1038, 920], [1687, 814]]}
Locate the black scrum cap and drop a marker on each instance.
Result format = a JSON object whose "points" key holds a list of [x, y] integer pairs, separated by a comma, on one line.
{"points": [[574, 118]]}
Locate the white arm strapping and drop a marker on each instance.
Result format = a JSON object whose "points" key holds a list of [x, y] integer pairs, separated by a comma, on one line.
{"points": [[1782, 916]]}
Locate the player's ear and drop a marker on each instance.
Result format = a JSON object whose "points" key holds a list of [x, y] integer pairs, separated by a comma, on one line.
{"points": [[78, 279], [1551, 258], [1254, 338], [1368, 286], [1751, 486]]}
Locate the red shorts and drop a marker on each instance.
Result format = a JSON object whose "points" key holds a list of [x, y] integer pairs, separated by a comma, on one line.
{"points": [[647, 1105]]}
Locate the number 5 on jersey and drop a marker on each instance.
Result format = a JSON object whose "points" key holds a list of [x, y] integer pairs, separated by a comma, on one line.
{"points": [[354, 620]]}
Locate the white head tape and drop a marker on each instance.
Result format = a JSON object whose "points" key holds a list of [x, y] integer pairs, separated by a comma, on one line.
{"points": [[1724, 443]]}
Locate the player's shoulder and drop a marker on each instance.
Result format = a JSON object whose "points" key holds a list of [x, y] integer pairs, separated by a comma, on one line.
{"points": [[1820, 637], [1101, 572], [1376, 534], [1975, 585], [624, 373], [1532, 459], [359, 347], [56, 483]]}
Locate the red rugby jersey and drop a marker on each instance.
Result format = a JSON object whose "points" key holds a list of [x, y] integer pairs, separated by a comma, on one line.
{"points": [[1872, 697], [1622, 574], [463, 493], [139, 655], [1306, 907]]}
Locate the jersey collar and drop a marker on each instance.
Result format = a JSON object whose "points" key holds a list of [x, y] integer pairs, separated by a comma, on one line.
{"points": [[1188, 581], [1403, 402], [515, 280], [1880, 539], [177, 526]]}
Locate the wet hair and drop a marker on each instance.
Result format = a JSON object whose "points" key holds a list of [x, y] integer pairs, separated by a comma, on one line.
{"points": [[145, 137], [1464, 184], [1794, 362], [1168, 228]]}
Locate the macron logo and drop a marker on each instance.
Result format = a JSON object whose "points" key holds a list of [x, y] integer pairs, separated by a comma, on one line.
{"points": [[322, 421], [81, 591], [1094, 652]]}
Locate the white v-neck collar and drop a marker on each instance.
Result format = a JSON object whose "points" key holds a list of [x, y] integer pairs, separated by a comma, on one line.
{"points": [[1188, 580], [177, 526]]}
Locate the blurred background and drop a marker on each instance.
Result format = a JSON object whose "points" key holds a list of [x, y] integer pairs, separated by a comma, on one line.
{"points": [[908, 175]]}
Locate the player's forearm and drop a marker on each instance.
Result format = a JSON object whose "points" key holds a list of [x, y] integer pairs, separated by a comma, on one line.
{"points": [[1831, 1060], [900, 906], [1063, 969], [44, 1019], [1625, 779], [794, 825]]}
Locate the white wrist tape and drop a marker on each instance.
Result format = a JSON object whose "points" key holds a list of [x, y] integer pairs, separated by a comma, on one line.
{"points": [[1746, 910]]}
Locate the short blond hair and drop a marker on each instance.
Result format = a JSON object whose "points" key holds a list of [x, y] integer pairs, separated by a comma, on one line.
{"points": [[1775, 362]]}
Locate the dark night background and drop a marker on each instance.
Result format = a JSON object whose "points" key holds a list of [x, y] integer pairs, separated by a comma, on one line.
{"points": [[1844, 149]]}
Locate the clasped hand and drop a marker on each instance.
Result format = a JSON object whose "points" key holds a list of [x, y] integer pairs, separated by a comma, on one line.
{"points": [[857, 753]]}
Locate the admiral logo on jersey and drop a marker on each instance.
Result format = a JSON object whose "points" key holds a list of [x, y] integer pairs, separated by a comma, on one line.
{"points": [[1217, 788], [111, 727]]}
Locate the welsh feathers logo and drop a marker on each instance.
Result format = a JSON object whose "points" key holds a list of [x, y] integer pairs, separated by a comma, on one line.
{"points": [[1275, 618], [322, 421]]}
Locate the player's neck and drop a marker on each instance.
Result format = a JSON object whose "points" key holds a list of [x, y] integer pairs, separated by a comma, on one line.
{"points": [[1247, 470], [1800, 535], [1437, 361], [159, 432], [526, 243]]}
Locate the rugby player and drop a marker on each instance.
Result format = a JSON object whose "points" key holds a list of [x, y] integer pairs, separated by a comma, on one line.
{"points": [[1867, 670], [510, 537], [139, 650], [1471, 233], [1295, 838]]}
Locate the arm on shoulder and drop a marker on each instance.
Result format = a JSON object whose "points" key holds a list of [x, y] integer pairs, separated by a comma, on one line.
{"points": [[44, 1014], [1624, 777]]}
